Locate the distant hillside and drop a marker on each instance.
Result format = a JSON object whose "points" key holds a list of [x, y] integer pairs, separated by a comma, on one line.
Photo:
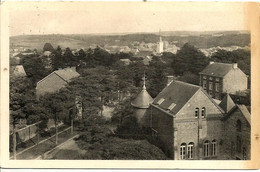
{"points": [[198, 39]]}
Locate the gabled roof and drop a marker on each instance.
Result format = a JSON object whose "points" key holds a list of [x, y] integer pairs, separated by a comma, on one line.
{"points": [[243, 110], [178, 93], [217, 69], [142, 100], [66, 74], [18, 71], [227, 103]]}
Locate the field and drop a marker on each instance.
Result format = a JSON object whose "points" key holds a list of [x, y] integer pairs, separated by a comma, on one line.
{"points": [[75, 41]]}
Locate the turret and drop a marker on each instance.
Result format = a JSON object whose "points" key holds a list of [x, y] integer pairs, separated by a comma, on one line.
{"points": [[141, 103]]}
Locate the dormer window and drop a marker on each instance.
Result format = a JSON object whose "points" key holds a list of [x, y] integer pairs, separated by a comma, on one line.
{"points": [[217, 79], [210, 78], [203, 112], [160, 101], [204, 77], [196, 112], [171, 106]]}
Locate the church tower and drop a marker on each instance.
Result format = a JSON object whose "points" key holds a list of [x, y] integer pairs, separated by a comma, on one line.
{"points": [[141, 103], [160, 46]]}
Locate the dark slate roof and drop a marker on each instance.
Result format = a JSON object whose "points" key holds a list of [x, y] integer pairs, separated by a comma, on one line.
{"points": [[217, 69], [178, 93], [142, 100], [227, 103]]}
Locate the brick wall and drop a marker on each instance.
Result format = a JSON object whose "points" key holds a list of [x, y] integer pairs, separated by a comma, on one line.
{"points": [[162, 124], [186, 126], [230, 135]]}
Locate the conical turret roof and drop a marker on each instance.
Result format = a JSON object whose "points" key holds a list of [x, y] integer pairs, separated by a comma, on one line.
{"points": [[143, 99], [227, 103]]}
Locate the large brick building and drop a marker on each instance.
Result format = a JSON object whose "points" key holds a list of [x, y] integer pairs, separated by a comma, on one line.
{"points": [[218, 78], [55, 81], [190, 125]]}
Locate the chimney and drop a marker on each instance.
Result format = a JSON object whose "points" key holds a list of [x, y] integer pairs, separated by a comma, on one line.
{"points": [[211, 62], [234, 65], [170, 79]]}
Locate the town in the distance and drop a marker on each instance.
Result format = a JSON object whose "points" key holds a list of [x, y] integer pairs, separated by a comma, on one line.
{"points": [[141, 96]]}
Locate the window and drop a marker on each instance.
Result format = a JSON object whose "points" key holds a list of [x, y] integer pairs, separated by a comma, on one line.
{"points": [[217, 79], [171, 106], [210, 93], [204, 77], [160, 101], [217, 87], [190, 150], [204, 84], [206, 148], [196, 112], [203, 112], [210, 78], [183, 151], [214, 148], [244, 153], [210, 85], [238, 144], [238, 126]]}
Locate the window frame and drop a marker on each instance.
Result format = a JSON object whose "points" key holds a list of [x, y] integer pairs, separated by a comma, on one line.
{"points": [[183, 151], [238, 144], [203, 112], [217, 87], [210, 85], [197, 112], [190, 150], [214, 147], [206, 148], [238, 126]]}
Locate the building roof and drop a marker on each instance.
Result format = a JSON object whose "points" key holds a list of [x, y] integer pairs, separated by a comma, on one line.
{"points": [[217, 69], [143, 99], [66, 74], [143, 53], [227, 103], [245, 112], [176, 92], [18, 71]]}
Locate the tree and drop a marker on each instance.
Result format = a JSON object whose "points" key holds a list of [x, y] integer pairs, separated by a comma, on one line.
{"points": [[34, 69], [57, 106], [57, 60], [48, 47], [189, 59], [156, 76]]}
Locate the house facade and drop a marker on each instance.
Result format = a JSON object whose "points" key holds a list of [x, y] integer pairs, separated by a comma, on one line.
{"points": [[218, 78], [55, 81], [190, 125]]}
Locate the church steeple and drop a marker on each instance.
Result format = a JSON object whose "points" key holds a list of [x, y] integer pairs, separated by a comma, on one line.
{"points": [[143, 99]]}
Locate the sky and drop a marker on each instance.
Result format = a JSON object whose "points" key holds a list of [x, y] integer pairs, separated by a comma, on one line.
{"points": [[124, 17]]}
